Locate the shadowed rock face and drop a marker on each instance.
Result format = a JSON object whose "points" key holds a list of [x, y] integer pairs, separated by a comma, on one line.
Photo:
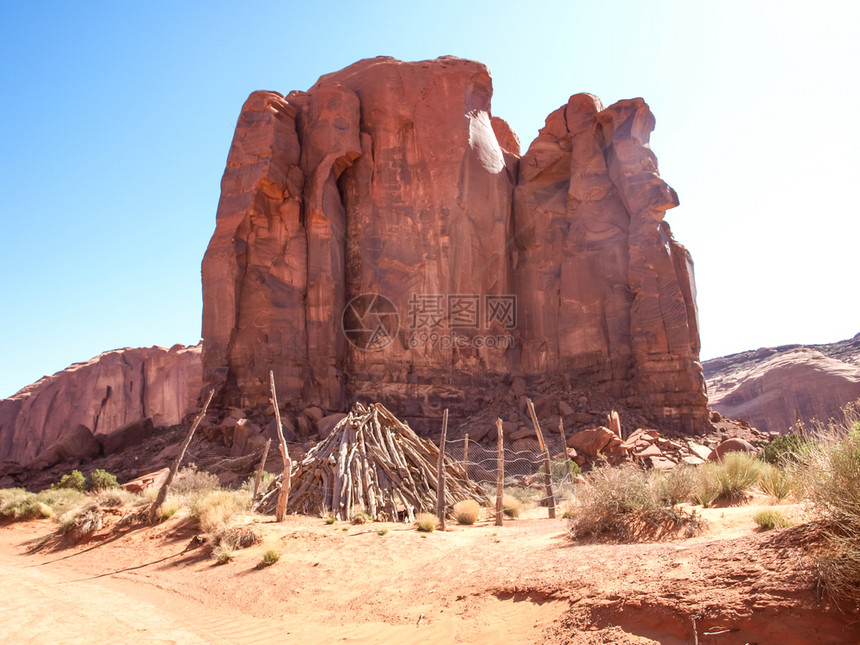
{"points": [[394, 178]]}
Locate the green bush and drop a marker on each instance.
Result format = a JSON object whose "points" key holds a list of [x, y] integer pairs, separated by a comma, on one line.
{"points": [[101, 479], [269, 558], [74, 480], [784, 448], [561, 469], [770, 519]]}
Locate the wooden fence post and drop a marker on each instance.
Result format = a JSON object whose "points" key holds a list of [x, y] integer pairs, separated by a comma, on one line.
{"points": [[466, 456], [162, 492], [284, 494], [500, 474], [547, 462], [259, 477], [440, 473], [564, 445]]}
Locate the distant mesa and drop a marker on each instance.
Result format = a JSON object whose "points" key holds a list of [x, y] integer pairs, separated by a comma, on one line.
{"points": [[773, 387]]}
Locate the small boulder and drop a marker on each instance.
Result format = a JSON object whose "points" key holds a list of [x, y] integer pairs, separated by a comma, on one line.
{"points": [[521, 433], [731, 445], [651, 451], [155, 479], [593, 441], [286, 426], [73, 444], [700, 451], [314, 413], [131, 434], [327, 424]]}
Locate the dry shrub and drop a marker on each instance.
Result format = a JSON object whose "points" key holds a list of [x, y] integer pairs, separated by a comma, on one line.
{"points": [[190, 481], [467, 511], [830, 476], [426, 522], [676, 486], [620, 503], [511, 506], [82, 522], [217, 509], [223, 552]]}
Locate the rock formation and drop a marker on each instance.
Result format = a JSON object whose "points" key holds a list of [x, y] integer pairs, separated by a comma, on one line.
{"points": [[99, 397], [388, 203], [773, 387]]}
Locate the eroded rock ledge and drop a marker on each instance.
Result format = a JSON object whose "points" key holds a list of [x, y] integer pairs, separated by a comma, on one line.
{"points": [[394, 178]]}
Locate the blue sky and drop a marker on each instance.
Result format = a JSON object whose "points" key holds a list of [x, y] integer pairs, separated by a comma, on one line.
{"points": [[116, 119]]}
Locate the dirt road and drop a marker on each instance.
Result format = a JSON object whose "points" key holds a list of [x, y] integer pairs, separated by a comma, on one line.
{"points": [[521, 583]]}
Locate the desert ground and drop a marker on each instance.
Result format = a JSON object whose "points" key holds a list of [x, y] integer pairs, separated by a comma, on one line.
{"points": [[524, 582]]}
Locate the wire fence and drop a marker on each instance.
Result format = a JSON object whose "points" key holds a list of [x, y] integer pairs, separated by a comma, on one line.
{"points": [[523, 468]]}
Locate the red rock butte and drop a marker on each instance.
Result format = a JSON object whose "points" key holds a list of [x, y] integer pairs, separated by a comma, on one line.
{"points": [[499, 273]]}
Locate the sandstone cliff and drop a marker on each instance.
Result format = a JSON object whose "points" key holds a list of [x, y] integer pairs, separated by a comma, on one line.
{"points": [[495, 271], [103, 394], [773, 387]]}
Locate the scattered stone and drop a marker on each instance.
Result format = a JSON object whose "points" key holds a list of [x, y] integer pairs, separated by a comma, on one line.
{"points": [[150, 480]]}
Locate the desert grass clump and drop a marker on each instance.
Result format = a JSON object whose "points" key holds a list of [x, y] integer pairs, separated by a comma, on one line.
{"points": [[223, 552], [775, 481], [830, 476], [467, 511], [426, 522], [269, 558], [19, 504], [729, 480], [74, 480], [216, 510], [676, 486], [771, 519], [511, 506], [115, 497], [621, 504], [82, 522]]}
